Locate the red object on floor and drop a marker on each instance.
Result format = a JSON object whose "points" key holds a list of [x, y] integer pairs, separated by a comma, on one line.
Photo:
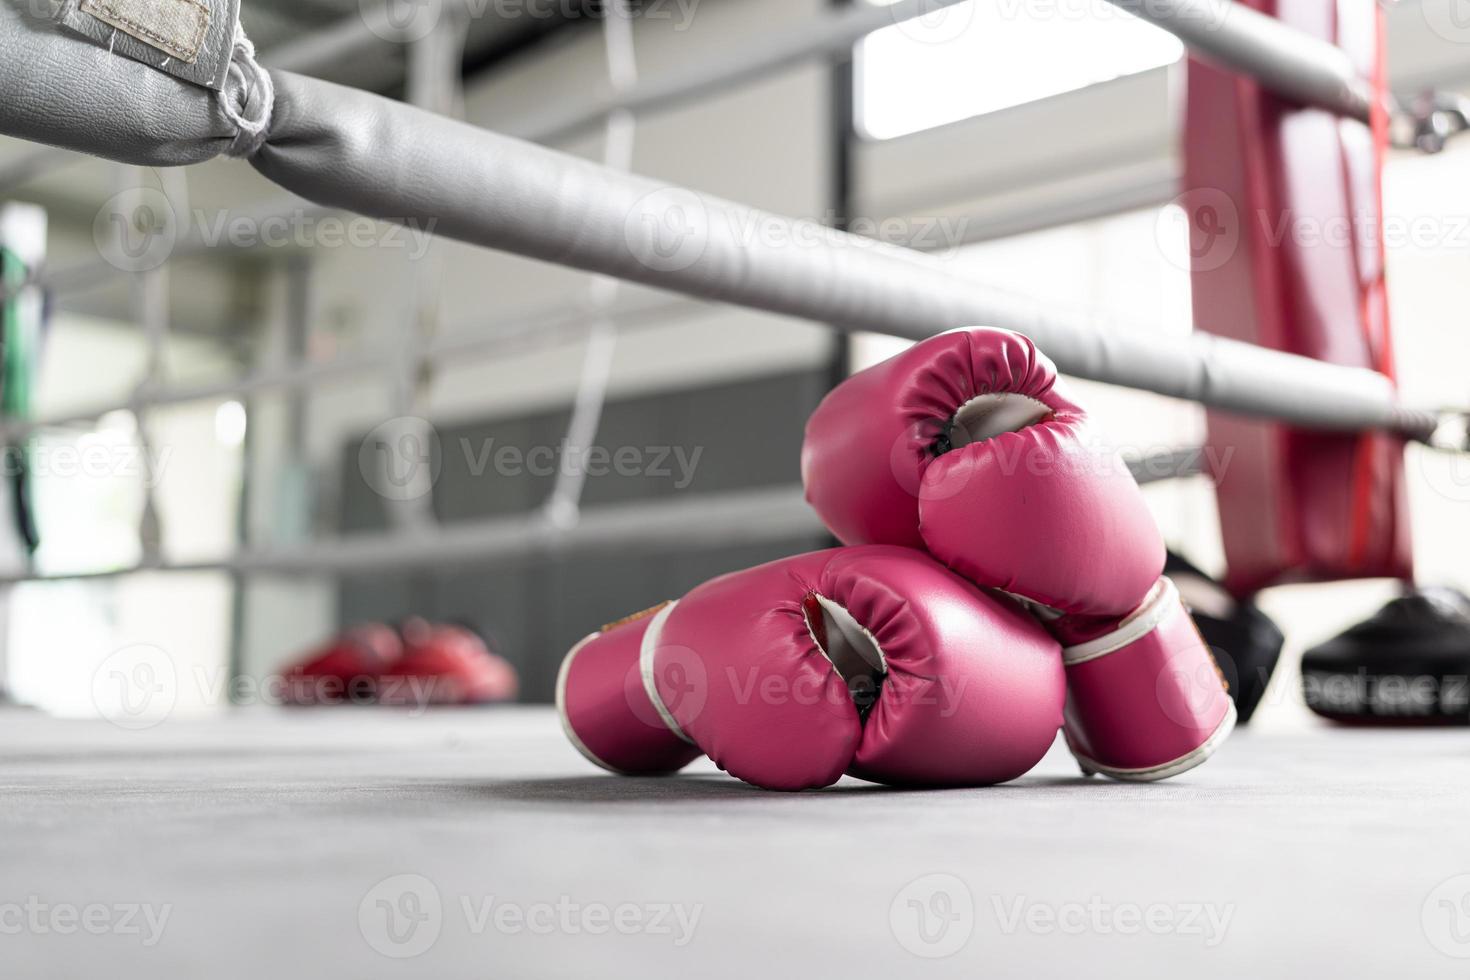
{"points": [[419, 663], [1287, 250], [444, 664], [346, 669]]}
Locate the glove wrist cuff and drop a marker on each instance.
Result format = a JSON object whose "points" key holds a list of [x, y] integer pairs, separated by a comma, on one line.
{"points": [[1146, 701], [646, 667], [1162, 601]]}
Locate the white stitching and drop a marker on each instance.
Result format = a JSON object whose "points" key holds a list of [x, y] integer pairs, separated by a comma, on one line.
{"points": [[105, 11]]}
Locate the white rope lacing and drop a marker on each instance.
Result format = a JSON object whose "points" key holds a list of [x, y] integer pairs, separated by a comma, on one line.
{"points": [[248, 97]]}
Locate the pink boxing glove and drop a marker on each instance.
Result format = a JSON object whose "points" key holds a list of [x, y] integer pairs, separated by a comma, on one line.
{"points": [[875, 661], [962, 445]]}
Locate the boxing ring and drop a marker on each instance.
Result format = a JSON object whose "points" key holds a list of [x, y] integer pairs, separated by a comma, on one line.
{"points": [[341, 148], [1292, 855]]}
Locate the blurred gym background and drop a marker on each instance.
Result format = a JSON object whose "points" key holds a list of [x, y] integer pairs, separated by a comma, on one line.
{"points": [[1031, 144]]}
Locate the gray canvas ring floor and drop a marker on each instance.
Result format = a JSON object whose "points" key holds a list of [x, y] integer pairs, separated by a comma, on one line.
{"points": [[365, 843]]}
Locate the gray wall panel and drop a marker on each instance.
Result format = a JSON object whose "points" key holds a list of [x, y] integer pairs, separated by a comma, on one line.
{"points": [[748, 435]]}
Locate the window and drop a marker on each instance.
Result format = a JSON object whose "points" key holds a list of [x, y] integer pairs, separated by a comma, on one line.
{"points": [[974, 58]]}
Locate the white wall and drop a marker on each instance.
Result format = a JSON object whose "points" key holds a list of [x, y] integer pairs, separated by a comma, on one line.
{"points": [[89, 498]]}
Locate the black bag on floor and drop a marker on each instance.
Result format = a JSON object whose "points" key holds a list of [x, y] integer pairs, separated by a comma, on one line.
{"points": [[1244, 640], [1407, 665]]}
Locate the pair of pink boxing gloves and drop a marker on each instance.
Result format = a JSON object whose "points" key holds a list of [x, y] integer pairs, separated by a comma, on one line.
{"points": [[1002, 580]]}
